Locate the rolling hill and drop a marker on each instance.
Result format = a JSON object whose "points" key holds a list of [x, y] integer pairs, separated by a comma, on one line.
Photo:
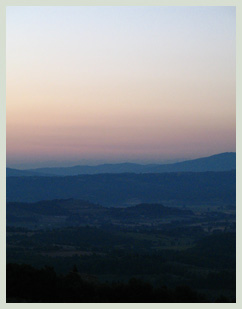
{"points": [[127, 189], [78, 212]]}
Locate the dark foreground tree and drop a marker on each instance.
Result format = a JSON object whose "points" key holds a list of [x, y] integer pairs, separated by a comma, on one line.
{"points": [[27, 284]]}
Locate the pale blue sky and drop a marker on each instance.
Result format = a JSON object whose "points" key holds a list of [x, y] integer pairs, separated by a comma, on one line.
{"points": [[111, 84]]}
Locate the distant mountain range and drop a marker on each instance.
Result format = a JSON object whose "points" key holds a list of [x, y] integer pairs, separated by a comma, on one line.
{"points": [[219, 162], [20, 173]]}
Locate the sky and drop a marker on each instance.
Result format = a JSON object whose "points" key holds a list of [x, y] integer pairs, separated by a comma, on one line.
{"points": [[90, 85]]}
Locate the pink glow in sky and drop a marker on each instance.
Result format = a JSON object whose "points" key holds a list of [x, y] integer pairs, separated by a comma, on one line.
{"points": [[112, 84]]}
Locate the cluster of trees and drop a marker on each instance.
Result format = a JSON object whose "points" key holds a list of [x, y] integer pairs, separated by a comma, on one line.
{"points": [[28, 284]]}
